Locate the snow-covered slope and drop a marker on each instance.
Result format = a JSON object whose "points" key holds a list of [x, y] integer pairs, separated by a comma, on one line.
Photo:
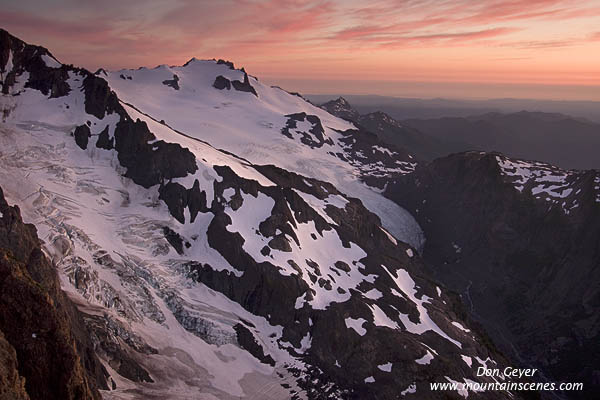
{"points": [[269, 126], [215, 274], [545, 182]]}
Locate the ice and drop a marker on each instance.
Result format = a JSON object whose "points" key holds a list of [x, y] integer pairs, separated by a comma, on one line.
{"points": [[426, 359], [50, 61], [383, 150], [381, 319], [373, 294], [412, 388], [387, 367], [467, 360], [9, 64], [370, 379], [356, 324], [392, 239], [459, 326]]}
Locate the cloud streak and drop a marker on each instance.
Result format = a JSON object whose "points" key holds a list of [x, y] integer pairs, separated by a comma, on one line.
{"points": [[287, 37]]}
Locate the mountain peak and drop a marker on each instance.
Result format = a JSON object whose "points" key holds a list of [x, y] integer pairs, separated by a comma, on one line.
{"points": [[340, 107]]}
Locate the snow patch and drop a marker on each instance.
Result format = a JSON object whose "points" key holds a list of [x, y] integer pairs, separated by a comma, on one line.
{"points": [[387, 367], [459, 326], [412, 388], [467, 360], [356, 324], [426, 359], [50, 61]]}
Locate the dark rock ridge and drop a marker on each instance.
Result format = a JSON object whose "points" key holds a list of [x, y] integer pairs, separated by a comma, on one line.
{"points": [[121, 349], [380, 160], [50, 81], [43, 340], [526, 262], [558, 139], [222, 83], [225, 62], [174, 83], [392, 132]]}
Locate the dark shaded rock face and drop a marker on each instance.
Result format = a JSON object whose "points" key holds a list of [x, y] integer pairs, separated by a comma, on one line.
{"points": [[174, 83], [150, 164], [99, 99], [244, 86], [368, 148], [104, 141], [380, 162], [82, 135], [248, 342], [12, 385], [222, 83], [178, 198], [39, 325], [174, 239], [525, 263]]}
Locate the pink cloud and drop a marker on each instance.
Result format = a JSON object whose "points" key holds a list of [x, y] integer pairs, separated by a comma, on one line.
{"points": [[292, 35]]}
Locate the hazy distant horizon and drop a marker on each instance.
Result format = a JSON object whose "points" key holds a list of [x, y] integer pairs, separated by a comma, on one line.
{"points": [[467, 91], [437, 107]]}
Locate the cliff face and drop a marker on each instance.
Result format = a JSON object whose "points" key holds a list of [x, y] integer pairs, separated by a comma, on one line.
{"points": [[44, 350], [520, 241]]}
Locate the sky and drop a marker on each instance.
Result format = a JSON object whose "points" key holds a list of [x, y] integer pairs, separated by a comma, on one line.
{"points": [[406, 48]]}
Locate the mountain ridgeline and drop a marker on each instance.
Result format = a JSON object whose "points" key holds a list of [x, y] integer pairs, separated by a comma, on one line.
{"points": [[215, 237], [554, 138]]}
